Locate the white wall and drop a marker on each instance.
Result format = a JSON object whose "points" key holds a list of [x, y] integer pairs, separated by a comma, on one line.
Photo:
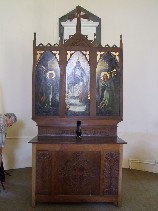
{"points": [[135, 20]]}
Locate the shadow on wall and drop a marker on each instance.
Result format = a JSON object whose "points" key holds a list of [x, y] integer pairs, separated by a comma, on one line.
{"points": [[14, 131], [12, 145], [141, 147], [12, 142]]}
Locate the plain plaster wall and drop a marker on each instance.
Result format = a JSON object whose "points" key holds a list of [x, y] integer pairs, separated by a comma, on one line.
{"points": [[135, 20]]}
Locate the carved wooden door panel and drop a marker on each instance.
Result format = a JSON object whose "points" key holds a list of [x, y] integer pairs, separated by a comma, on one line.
{"points": [[77, 173], [43, 172]]}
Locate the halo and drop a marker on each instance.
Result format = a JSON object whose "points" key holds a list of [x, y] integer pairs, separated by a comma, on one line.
{"points": [[52, 73], [104, 73]]}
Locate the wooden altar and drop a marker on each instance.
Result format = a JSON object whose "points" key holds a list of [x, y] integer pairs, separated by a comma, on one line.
{"points": [[75, 81]]}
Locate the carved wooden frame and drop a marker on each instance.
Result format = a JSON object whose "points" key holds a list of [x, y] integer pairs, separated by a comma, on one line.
{"points": [[91, 123]]}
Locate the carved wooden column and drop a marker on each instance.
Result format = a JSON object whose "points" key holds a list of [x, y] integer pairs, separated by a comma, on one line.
{"points": [[111, 173]]}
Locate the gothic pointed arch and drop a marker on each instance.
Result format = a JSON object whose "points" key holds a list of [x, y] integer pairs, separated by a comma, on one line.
{"points": [[77, 85], [47, 76], [107, 86]]}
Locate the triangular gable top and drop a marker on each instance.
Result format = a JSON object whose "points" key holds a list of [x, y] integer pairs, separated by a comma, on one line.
{"points": [[78, 39], [91, 18]]}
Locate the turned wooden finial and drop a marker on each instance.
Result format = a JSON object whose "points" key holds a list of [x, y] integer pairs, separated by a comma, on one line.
{"points": [[121, 44], [34, 40]]}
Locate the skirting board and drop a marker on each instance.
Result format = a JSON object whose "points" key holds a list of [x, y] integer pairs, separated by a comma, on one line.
{"points": [[144, 165]]}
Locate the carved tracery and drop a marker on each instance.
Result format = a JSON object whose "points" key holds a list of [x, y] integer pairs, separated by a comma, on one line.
{"points": [[111, 173], [79, 171]]}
